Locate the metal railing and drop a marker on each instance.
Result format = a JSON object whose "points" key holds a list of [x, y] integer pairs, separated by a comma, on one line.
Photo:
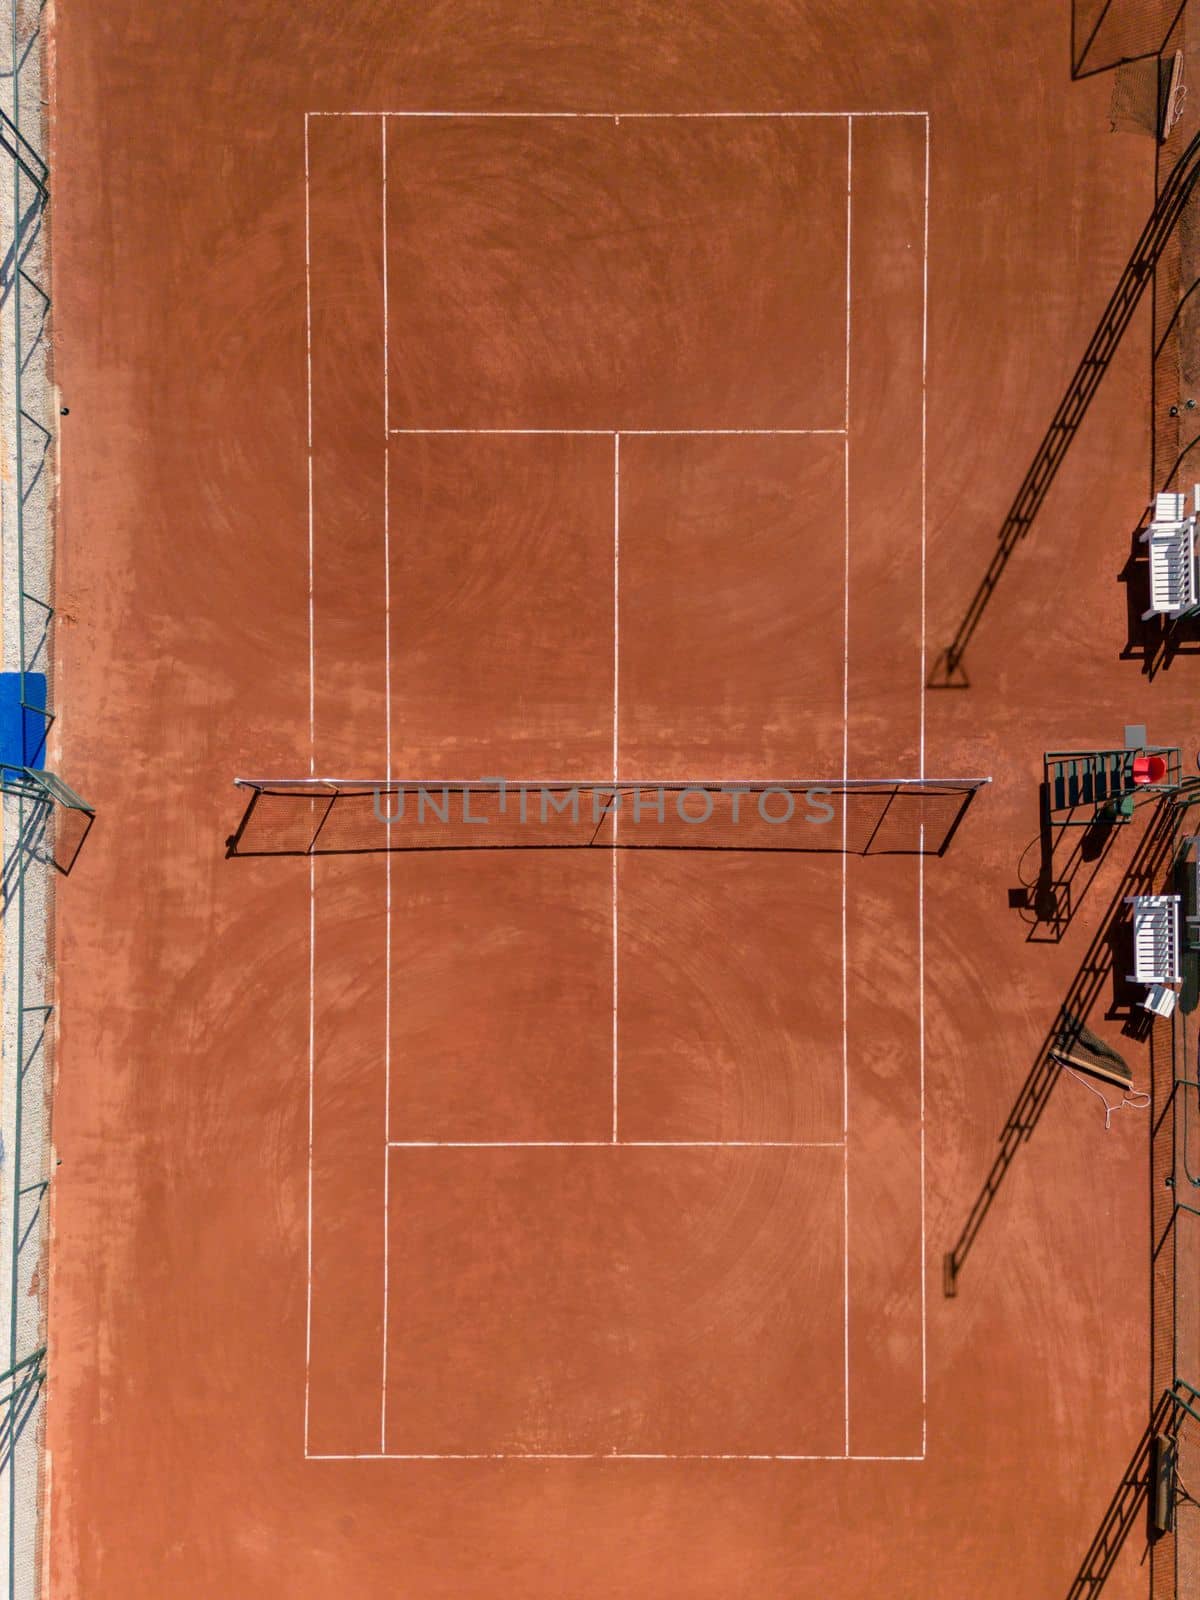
{"points": [[1175, 1239], [33, 799]]}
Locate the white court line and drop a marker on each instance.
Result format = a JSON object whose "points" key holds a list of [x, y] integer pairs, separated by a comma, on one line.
{"points": [[845, 870], [387, 720], [638, 433], [616, 767], [312, 989], [845, 965], [312, 766], [383, 249], [925, 362], [921, 1076], [920, 768], [615, 1144], [584, 1455], [626, 116], [312, 677], [492, 785], [849, 197]]}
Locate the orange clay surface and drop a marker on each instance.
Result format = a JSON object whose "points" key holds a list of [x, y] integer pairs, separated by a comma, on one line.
{"points": [[570, 1223]]}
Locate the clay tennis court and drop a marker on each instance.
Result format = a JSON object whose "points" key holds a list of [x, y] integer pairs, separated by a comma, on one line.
{"points": [[523, 396], [593, 1073]]}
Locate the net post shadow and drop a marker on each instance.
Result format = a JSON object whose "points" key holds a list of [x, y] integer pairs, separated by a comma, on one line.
{"points": [[234, 839], [1142, 875], [70, 835], [948, 670], [957, 821]]}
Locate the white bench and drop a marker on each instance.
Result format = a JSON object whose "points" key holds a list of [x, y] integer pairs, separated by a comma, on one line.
{"points": [[1170, 508], [1171, 541], [1155, 938]]}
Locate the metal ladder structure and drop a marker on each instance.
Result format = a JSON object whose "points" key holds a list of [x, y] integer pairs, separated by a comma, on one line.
{"points": [[1101, 783]]}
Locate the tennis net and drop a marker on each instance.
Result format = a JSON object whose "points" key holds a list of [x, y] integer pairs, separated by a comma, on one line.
{"points": [[330, 816]]}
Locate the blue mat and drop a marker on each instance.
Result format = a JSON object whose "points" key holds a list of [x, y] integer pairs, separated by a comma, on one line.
{"points": [[22, 729]]}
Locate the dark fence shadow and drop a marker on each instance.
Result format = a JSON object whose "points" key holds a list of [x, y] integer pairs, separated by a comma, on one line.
{"points": [[827, 819], [1130, 1501], [30, 845], [1068, 859], [1104, 961], [20, 1412], [49, 835], [30, 166], [948, 670], [28, 229], [1106, 33]]}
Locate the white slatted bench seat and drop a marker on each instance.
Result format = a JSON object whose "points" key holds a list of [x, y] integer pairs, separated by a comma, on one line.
{"points": [[1170, 507], [1155, 938], [1171, 542]]}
